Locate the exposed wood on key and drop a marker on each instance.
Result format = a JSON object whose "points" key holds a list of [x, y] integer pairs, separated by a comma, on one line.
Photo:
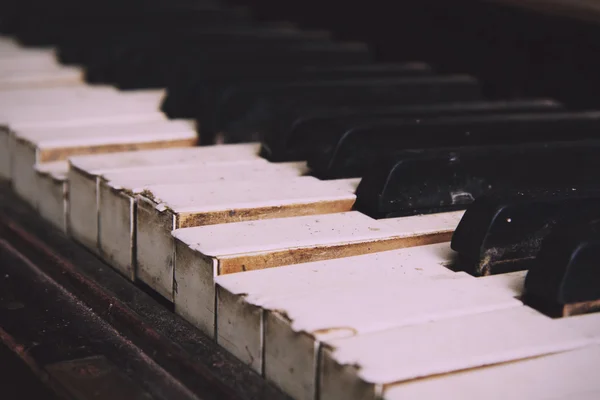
{"points": [[202, 253], [162, 209]]}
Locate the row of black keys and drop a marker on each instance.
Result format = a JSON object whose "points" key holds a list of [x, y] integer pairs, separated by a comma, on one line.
{"points": [[554, 234], [421, 142]]}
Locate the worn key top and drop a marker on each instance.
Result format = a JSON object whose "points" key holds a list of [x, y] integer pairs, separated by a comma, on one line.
{"points": [[434, 180], [501, 233], [558, 376], [259, 108], [295, 141], [362, 146], [564, 279]]}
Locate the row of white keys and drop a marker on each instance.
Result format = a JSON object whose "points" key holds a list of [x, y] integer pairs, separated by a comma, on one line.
{"points": [[68, 112], [242, 296], [367, 366], [203, 253], [139, 209], [118, 203], [26, 68], [561, 376], [42, 145], [68, 76], [95, 110], [296, 320], [162, 209], [416, 324], [86, 175], [27, 105], [68, 95], [28, 59]]}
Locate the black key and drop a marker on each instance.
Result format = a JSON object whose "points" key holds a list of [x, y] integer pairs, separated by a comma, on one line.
{"points": [[251, 109], [362, 146], [92, 34], [194, 60], [564, 279], [153, 56], [294, 141], [284, 74], [437, 180], [51, 24], [194, 95], [502, 233]]}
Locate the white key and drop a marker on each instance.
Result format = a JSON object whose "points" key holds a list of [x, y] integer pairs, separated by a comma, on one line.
{"points": [[202, 253], [52, 192], [240, 296], [162, 209], [58, 124], [360, 366], [35, 97], [54, 144], [118, 205], [295, 326], [189, 156], [563, 376], [5, 152], [64, 77], [29, 61], [8, 45], [85, 173], [125, 108], [13, 101]]}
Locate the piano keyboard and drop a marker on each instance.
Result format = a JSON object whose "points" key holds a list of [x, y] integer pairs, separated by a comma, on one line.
{"points": [[327, 269]]}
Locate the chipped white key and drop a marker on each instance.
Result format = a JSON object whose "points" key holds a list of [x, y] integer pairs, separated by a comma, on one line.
{"points": [[54, 144], [295, 326], [562, 376], [118, 206], [52, 192], [240, 297], [358, 367], [162, 209], [204, 252], [85, 173]]}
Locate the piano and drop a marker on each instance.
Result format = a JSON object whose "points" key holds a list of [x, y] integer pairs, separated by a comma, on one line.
{"points": [[320, 200]]}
